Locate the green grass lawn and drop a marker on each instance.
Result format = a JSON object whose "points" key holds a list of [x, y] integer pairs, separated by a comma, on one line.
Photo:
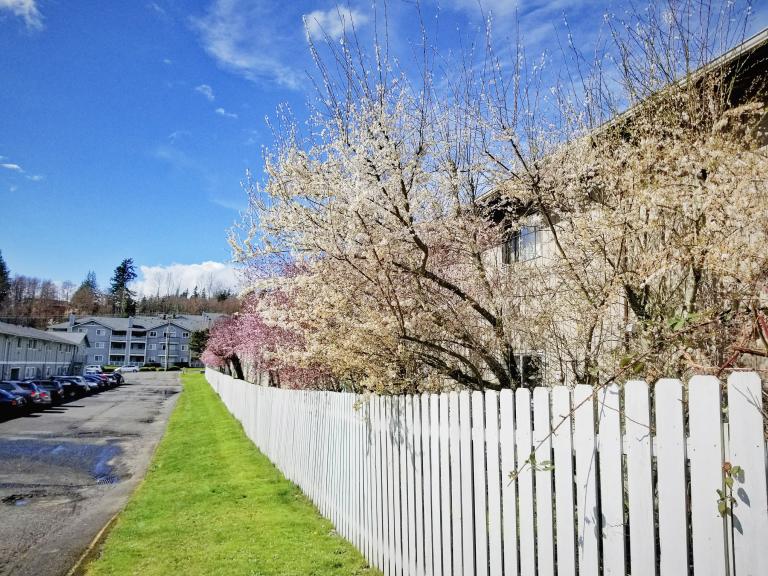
{"points": [[213, 504]]}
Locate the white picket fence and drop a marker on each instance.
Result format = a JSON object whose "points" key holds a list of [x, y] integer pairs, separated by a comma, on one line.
{"points": [[622, 482]]}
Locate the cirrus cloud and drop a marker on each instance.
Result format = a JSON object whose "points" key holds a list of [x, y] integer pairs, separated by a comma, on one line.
{"points": [[241, 37], [25, 9], [333, 23], [206, 91]]}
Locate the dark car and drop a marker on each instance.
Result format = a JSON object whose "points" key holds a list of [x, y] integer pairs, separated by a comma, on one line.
{"points": [[10, 404], [40, 397], [54, 388], [13, 387], [73, 388], [97, 380]]}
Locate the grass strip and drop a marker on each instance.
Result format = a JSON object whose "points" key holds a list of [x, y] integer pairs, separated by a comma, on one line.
{"points": [[213, 504]]}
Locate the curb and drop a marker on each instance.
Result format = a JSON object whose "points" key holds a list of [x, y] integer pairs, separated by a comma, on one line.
{"points": [[90, 552]]}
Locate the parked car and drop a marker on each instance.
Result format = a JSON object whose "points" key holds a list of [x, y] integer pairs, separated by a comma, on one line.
{"points": [[93, 369], [54, 388], [97, 381], [124, 369], [73, 388], [92, 386], [10, 404], [40, 397], [13, 387]]}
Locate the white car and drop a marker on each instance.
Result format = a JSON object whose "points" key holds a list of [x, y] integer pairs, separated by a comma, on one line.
{"points": [[93, 369], [123, 369]]}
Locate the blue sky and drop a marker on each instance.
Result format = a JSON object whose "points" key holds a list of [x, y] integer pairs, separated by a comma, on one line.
{"points": [[126, 127]]}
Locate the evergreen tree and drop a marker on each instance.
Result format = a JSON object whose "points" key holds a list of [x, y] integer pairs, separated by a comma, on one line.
{"points": [[5, 281], [123, 302], [86, 298], [198, 340]]}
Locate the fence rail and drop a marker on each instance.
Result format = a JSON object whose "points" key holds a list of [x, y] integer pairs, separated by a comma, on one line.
{"points": [[636, 480]]}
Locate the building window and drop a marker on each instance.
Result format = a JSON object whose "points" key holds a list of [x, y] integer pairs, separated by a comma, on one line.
{"points": [[99, 344], [30, 372], [98, 358], [528, 369], [522, 245], [184, 347], [152, 334], [185, 334], [152, 346], [18, 343], [32, 344]]}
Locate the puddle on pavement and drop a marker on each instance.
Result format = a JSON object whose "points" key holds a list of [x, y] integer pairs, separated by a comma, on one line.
{"points": [[91, 460], [17, 499]]}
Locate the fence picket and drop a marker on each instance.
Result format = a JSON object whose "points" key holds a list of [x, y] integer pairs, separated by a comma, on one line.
{"points": [[545, 552], [455, 512], [637, 425], [494, 482], [408, 459], [562, 451], [747, 451], [706, 455], [445, 486], [525, 487], [670, 466], [467, 496], [508, 484], [611, 484], [479, 484], [389, 510], [588, 523], [418, 470], [437, 490], [428, 483]]}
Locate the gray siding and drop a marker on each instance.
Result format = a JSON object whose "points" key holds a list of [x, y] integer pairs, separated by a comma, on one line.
{"points": [[23, 357]]}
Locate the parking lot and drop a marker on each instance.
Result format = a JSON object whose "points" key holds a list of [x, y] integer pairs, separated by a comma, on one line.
{"points": [[65, 471]]}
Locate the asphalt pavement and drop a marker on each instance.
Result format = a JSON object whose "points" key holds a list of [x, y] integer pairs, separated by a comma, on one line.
{"points": [[66, 471]]}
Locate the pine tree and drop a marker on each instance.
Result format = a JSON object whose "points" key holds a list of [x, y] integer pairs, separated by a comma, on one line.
{"points": [[86, 298], [5, 281], [123, 302]]}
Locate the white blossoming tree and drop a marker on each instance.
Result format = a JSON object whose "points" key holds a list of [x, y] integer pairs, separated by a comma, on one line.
{"points": [[648, 229]]}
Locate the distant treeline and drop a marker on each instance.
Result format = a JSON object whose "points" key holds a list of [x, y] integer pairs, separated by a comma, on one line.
{"points": [[37, 302]]}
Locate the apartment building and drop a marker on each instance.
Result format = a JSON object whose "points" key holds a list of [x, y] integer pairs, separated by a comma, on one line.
{"points": [[30, 353], [137, 340]]}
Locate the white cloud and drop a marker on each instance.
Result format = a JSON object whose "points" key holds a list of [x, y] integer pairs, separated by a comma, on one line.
{"points": [[155, 7], [36, 177], [333, 22], [206, 91], [26, 9], [222, 112], [163, 280], [12, 167], [242, 36]]}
